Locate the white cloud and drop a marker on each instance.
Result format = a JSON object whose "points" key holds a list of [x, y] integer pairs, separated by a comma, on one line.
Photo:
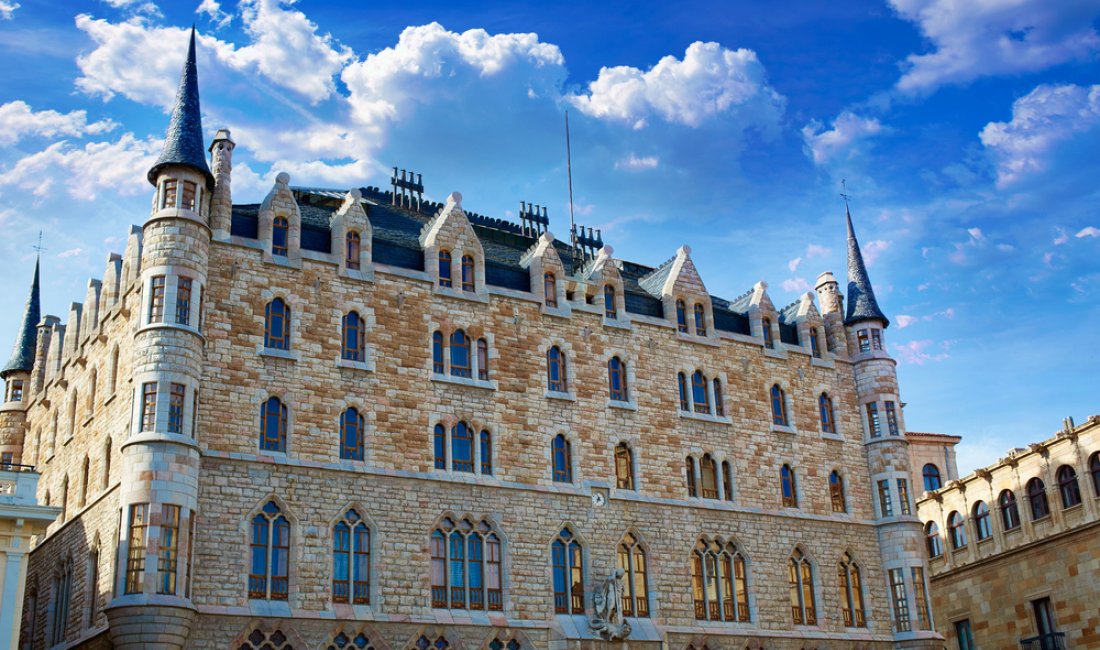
{"points": [[1089, 231], [18, 120], [709, 81], [82, 171], [72, 252], [904, 321], [136, 6], [796, 285], [793, 264], [212, 9], [842, 141], [995, 37], [872, 249], [7, 8], [975, 234], [814, 250], [1042, 119], [918, 353], [1062, 237], [634, 163]]}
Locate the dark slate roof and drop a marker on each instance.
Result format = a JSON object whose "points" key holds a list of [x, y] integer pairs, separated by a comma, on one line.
{"points": [[22, 353], [790, 312], [861, 297], [396, 242], [183, 142], [742, 303]]}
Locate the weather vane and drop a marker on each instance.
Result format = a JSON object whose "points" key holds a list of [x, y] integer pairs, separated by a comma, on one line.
{"points": [[38, 247], [844, 193]]}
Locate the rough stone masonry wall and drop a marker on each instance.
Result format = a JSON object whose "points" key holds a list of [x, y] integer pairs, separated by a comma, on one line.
{"points": [[397, 487]]}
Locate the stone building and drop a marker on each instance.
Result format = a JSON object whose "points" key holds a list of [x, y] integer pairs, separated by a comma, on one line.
{"points": [[359, 418], [932, 459], [1014, 547]]}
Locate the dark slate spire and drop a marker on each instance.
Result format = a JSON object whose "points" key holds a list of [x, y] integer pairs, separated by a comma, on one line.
{"points": [[183, 142], [861, 297], [22, 354]]}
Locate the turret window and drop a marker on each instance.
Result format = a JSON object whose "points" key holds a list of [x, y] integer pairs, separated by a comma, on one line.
{"points": [[269, 573], [885, 505], [352, 249], [876, 339], [864, 341], [183, 301], [189, 193], [135, 554], [277, 325], [280, 237], [168, 195], [900, 600], [568, 574], [351, 560], [892, 419], [903, 496], [149, 406], [681, 316], [156, 299], [873, 424], [175, 408], [273, 424], [1010, 512], [351, 434], [15, 390], [168, 553], [445, 269]]}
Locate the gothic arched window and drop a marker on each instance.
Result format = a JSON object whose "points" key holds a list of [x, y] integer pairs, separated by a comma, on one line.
{"points": [[351, 560], [699, 399], [280, 236], [351, 434], [462, 448], [727, 480], [440, 447], [437, 353], [708, 470], [461, 365], [624, 467], [562, 459], [825, 408], [268, 577], [691, 484], [568, 569], [681, 384], [353, 337], [851, 592], [632, 560], [719, 403], [801, 577], [486, 442], [616, 379], [836, 492], [556, 373], [700, 320], [277, 325], [273, 418], [779, 406], [467, 273], [789, 489], [719, 582], [681, 316], [466, 566], [483, 359]]}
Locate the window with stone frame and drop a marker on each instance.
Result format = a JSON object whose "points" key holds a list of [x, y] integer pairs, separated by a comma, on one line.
{"points": [[815, 345], [482, 359], [168, 193], [719, 402], [873, 424], [1037, 499], [727, 480], [462, 448], [135, 554], [156, 299], [1094, 470], [921, 595], [708, 473], [280, 237], [956, 530], [836, 492], [425, 643], [350, 641], [876, 338], [800, 574], [900, 601], [259, 640], [466, 565], [616, 380], [825, 410], [631, 558], [277, 325], [445, 269], [700, 320], [932, 539], [353, 337], [190, 191], [788, 487], [62, 597], [485, 440], [766, 327], [269, 571], [352, 434], [176, 396], [1010, 512], [931, 475], [168, 549], [719, 582], [550, 289], [885, 503], [351, 570], [863, 340], [779, 406], [903, 496], [892, 419], [183, 300], [562, 459], [149, 406], [352, 250], [467, 273], [681, 317], [610, 309], [1068, 488], [273, 425], [624, 467], [982, 528], [681, 384], [557, 378], [851, 592], [700, 401], [568, 568]]}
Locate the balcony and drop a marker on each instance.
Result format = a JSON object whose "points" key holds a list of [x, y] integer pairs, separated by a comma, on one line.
{"points": [[1052, 641], [18, 484]]}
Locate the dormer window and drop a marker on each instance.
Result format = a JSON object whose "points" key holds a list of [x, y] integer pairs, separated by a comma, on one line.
{"points": [[352, 247], [864, 341], [280, 236], [168, 196], [681, 316], [550, 289], [467, 273], [189, 193], [815, 347], [766, 324], [876, 339], [700, 320], [445, 268], [609, 309], [15, 390]]}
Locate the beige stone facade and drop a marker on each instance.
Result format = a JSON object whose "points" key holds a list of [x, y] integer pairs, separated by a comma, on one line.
{"points": [[932, 459], [146, 425], [1023, 559]]}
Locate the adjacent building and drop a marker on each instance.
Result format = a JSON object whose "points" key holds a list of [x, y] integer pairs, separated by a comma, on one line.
{"points": [[357, 418], [1014, 548]]}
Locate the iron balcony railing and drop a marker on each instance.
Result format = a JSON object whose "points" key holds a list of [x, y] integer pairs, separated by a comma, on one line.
{"points": [[16, 467], [1052, 641]]}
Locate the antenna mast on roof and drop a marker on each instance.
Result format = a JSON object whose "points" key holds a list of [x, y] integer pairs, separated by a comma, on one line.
{"points": [[569, 171]]}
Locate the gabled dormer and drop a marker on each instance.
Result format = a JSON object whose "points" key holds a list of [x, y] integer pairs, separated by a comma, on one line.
{"points": [[803, 315], [686, 301], [548, 281], [604, 286], [763, 316], [453, 256], [351, 236], [280, 224]]}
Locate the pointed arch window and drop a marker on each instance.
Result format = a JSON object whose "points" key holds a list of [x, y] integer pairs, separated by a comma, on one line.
{"points": [[1094, 470], [681, 384], [280, 236], [851, 592], [708, 469], [268, 578], [766, 326], [719, 582], [568, 568], [699, 399], [1068, 487], [801, 578], [1010, 511], [956, 530], [277, 325], [632, 560], [106, 480], [825, 408], [462, 448], [690, 477], [467, 273], [562, 459], [982, 528], [352, 248], [610, 309], [445, 269], [1037, 499], [616, 379], [273, 418], [460, 354], [700, 320], [466, 566], [62, 595], [836, 492], [85, 469], [550, 289], [681, 316], [624, 467], [932, 539], [354, 337], [727, 480], [931, 475], [557, 378], [779, 406], [719, 403], [486, 441], [351, 434], [351, 560], [483, 359], [789, 489]]}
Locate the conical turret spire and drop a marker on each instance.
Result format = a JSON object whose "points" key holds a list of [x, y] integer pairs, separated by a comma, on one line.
{"points": [[22, 353], [183, 142], [861, 297]]}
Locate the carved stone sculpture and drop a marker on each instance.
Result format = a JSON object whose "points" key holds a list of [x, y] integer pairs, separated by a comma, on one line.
{"points": [[608, 619]]}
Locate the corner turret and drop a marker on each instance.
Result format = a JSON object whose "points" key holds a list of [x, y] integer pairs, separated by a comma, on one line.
{"points": [[22, 353], [17, 385], [183, 143]]}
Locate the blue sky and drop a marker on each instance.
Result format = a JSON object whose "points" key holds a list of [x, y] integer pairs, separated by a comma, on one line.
{"points": [[967, 133]]}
